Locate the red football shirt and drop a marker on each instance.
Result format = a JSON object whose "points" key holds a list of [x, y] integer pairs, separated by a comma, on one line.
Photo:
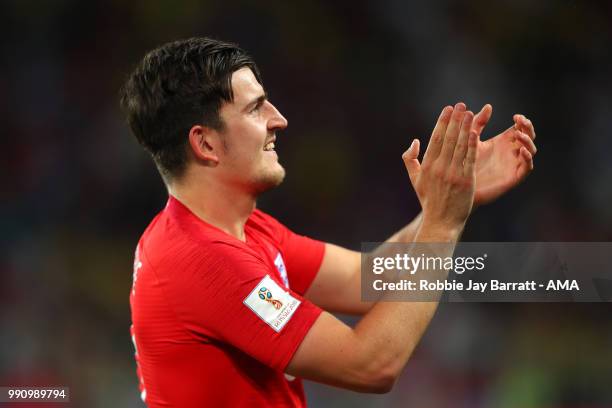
{"points": [[215, 320]]}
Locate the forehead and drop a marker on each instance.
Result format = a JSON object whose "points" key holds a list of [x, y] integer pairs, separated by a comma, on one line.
{"points": [[245, 86]]}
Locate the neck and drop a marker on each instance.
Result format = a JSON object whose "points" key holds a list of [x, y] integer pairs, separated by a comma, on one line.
{"points": [[220, 205]]}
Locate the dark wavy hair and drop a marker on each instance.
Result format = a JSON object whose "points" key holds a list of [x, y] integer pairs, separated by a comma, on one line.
{"points": [[176, 86]]}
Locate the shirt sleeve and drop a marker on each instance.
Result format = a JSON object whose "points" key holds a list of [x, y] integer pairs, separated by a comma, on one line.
{"points": [[227, 293], [302, 255]]}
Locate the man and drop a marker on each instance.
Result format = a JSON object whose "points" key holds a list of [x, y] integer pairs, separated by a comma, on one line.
{"points": [[229, 307]]}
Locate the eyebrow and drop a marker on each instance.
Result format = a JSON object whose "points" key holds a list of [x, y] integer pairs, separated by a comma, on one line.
{"points": [[257, 101]]}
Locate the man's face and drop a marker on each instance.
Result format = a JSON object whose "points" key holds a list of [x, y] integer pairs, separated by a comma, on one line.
{"points": [[251, 121]]}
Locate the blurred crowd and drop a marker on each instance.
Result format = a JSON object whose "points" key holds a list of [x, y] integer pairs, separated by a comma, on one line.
{"points": [[357, 82]]}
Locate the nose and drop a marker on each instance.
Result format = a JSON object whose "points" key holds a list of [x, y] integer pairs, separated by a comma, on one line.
{"points": [[277, 121]]}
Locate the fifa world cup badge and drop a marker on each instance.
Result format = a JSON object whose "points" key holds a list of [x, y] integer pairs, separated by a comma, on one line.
{"points": [[274, 304], [266, 295]]}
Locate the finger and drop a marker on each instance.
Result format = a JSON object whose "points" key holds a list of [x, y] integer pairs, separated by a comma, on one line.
{"points": [[530, 129], [470, 156], [527, 142], [524, 124], [462, 142], [411, 160], [526, 164], [452, 133], [437, 136], [482, 118]]}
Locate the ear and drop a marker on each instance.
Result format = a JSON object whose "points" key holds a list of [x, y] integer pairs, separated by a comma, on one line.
{"points": [[205, 144]]}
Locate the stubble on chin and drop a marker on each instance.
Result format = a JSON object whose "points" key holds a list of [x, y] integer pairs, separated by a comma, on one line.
{"points": [[269, 180]]}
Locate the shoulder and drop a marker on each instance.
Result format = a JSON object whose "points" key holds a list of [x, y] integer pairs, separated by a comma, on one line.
{"points": [[267, 224], [180, 244], [259, 216]]}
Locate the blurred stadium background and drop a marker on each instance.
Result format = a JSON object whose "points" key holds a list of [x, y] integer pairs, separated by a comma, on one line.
{"points": [[357, 81]]}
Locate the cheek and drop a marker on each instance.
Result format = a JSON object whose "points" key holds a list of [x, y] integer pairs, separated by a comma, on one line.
{"points": [[244, 154], [245, 141]]}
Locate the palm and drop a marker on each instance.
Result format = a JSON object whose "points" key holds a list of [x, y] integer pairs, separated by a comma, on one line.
{"points": [[499, 166]]}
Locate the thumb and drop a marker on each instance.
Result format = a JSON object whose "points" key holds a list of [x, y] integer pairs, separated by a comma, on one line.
{"points": [[411, 160]]}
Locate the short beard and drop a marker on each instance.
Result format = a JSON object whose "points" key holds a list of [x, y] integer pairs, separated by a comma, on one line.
{"points": [[266, 182]]}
